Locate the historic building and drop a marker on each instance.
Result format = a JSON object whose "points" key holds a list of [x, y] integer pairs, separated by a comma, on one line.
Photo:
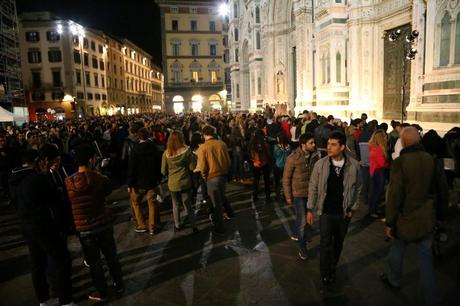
{"points": [[335, 57], [192, 55], [69, 70]]}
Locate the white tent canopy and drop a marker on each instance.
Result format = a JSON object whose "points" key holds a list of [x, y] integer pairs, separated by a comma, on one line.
{"points": [[6, 116]]}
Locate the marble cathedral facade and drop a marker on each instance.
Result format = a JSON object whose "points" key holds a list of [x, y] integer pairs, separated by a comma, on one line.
{"points": [[334, 57]]}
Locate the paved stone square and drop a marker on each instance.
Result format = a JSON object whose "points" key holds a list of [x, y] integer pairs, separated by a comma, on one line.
{"points": [[256, 263]]}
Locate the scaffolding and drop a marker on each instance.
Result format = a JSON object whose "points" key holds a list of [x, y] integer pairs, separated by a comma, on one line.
{"points": [[11, 90]]}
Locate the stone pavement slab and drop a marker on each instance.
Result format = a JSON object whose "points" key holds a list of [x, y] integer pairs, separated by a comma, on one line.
{"points": [[255, 263]]}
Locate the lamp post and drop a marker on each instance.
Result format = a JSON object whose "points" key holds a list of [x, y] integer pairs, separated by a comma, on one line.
{"points": [[405, 41], [79, 31]]}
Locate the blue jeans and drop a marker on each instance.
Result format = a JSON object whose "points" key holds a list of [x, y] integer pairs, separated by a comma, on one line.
{"points": [[300, 205], [377, 187], [237, 163], [424, 262]]}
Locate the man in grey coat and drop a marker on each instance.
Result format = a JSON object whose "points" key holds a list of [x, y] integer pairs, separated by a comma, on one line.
{"points": [[333, 193]]}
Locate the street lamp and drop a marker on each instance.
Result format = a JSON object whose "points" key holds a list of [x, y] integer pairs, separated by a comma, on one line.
{"points": [[79, 31], [223, 9], [409, 53]]}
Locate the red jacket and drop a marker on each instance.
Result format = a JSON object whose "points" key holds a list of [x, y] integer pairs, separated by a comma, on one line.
{"points": [[376, 159]]}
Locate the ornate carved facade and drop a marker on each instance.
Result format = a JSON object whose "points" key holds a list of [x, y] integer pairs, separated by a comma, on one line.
{"points": [[333, 56]]}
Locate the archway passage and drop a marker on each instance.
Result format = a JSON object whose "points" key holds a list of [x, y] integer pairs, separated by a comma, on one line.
{"points": [[215, 102]]}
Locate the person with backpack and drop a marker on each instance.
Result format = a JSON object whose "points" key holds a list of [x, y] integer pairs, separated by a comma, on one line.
{"points": [[260, 157], [281, 151]]}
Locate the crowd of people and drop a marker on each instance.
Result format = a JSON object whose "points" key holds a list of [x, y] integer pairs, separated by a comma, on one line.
{"points": [[322, 166]]}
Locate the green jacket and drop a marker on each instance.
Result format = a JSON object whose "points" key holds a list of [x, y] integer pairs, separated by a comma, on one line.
{"points": [[178, 169], [410, 194]]}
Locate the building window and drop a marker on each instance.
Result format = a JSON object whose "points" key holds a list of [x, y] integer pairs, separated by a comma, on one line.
{"points": [[101, 65], [213, 77], [38, 96], [87, 78], [80, 95], [445, 41], [104, 97], [96, 80], [90, 96], [328, 67], [193, 25], [238, 91], [195, 76], [78, 76], [193, 10], [76, 40], [85, 43], [32, 36], [54, 56], [237, 55], [194, 49], [213, 50], [52, 36], [174, 10], [76, 57], [98, 96], [258, 40], [236, 34], [338, 68], [34, 57], [94, 60], [56, 78], [235, 10], [101, 49], [176, 49], [57, 95], [93, 46], [212, 26], [36, 79], [175, 25], [257, 14], [86, 59]]}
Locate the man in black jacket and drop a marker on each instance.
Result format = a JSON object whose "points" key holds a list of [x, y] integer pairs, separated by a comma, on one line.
{"points": [[144, 175], [44, 225]]}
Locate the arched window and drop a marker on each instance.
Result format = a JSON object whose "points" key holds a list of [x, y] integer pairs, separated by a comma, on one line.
{"points": [[328, 67], [457, 40], [258, 40], [257, 14], [237, 55], [338, 68], [323, 68], [235, 10], [176, 68], [444, 53], [236, 34]]}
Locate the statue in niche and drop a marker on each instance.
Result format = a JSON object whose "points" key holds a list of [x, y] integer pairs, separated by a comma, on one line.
{"points": [[279, 83]]}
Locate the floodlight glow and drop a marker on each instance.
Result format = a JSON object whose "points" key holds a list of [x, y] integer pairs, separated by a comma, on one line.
{"points": [[224, 10], [59, 29]]}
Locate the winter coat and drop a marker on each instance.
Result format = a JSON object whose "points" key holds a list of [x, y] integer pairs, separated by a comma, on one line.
{"points": [[410, 195], [317, 188], [178, 169], [144, 168], [297, 172], [87, 192]]}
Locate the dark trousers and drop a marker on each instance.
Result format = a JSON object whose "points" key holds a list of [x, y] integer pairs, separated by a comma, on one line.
{"points": [[92, 246], [216, 192], [49, 253], [278, 174], [378, 188], [257, 171], [333, 229]]}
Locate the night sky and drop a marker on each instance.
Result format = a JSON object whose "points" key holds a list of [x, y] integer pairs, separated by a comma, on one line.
{"points": [[137, 20]]}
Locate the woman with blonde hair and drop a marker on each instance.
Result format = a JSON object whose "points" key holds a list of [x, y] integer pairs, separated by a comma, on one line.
{"points": [[177, 165], [378, 163]]}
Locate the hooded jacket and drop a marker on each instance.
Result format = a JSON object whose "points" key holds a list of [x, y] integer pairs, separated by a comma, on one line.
{"points": [[87, 191], [144, 170], [178, 169]]}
